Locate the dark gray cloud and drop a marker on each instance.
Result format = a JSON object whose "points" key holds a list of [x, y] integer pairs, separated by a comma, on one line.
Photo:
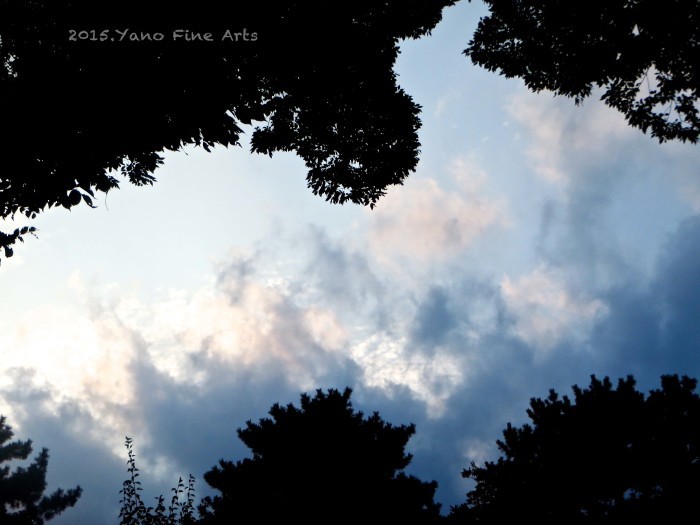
{"points": [[653, 327], [434, 319]]}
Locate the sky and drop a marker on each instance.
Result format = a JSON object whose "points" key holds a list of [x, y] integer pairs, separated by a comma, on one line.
{"points": [[537, 243]]}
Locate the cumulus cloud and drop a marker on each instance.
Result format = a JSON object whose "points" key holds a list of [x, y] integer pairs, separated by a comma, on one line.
{"points": [[72, 355], [424, 222], [614, 191], [559, 134], [545, 312], [387, 363], [460, 360], [110, 362], [652, 327]]}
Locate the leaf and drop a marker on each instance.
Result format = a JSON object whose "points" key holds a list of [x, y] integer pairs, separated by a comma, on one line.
{"points": [[88, 201], [74, 198]]}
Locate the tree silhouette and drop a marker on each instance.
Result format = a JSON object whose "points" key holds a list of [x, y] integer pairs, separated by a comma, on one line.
{"points": [[644, 54], [89, 91], [22, 500], [134, 511], [320, 463], [610, 456]]}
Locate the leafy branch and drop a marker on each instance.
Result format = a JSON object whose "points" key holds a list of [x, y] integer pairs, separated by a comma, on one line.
{"points": [[135, 512]]}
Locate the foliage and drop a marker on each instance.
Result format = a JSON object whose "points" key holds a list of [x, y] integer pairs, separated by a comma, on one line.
{"points": [[134, 511], [610, 456], [21, 491], [644, 54], [91, 91], [320, 463]]}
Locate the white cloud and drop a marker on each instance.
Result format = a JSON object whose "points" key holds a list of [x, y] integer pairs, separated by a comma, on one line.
{"points": [[479, 451], [423, 222], [251, 322], [546, 312], [84, 352], [77, 358], [442, 103], [77, 354], [561, 134], [386, 363]]}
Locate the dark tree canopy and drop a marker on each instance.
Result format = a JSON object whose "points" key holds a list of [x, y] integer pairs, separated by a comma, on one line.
{"points": [[644, 54], [22, 500], [91, 91], [320, 463], [609, 456]]}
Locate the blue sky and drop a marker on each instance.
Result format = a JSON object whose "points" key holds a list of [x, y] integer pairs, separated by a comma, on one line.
{"points": [[538, 243]]}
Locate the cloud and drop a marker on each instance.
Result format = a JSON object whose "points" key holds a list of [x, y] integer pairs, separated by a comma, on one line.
{"points": [[387, 363], [545, 312], [652, 326], [559, 134], [461, 359], [613, 194], [73, 355], [422, 222], [109, 363], [434, 319]]}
